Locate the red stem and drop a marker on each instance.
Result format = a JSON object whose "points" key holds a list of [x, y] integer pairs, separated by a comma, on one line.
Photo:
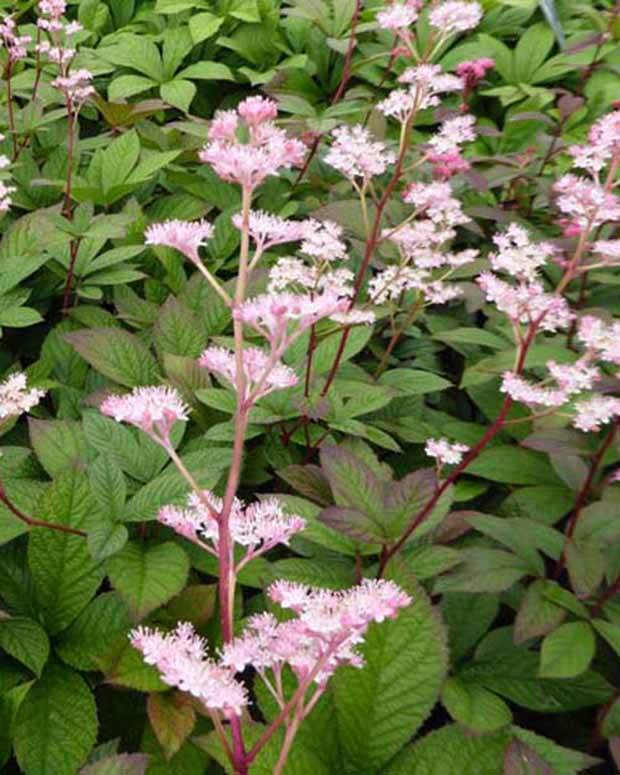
{"points": [[473, 453], [32, 521], [337, 95], [584, 492]]}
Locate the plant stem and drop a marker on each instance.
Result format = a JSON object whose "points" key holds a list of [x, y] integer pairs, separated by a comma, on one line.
{"points": [[227, 576], [32, 521], [584, 492], [10, 108], [337, 95]]}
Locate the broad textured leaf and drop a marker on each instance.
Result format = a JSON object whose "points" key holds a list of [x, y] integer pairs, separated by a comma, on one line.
{"points": [[116, 354], [516, 677], [148, 576], [451, 750], [59, 445], [104, 621], [172, 718], [56, 724], [537, 615], [413, 382], [65, 575], [120, 764], [379, 707], [25, 640], [474, 707]]}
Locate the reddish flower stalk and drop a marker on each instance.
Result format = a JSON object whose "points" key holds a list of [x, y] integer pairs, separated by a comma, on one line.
{"points": [[583, 495], [32, 521]]}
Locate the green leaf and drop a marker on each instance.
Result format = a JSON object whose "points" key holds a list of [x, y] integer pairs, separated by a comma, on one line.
{"points": [[483, 570], [609, 631], [467, 617], [178, 93], [65, 575], [106, 540], [172, 718], [513, 465], [561, 760], [413, 382], [204, 25], [475, 336], [60, 445], [118, 160], [85, 643], [452, 750], [120, 764], [116, 354], [136, 52], [207, 71], [536, 615], [515, 676], [568, 651], [379, 707], [123, 665], [56, 724], [177, 331], [146, 577], [108, 485], [25, 640], [129, 85], [474, 707], [532, 49], [19, 317]]}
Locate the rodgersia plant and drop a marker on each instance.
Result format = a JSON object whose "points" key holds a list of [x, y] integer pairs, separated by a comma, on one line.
{"points": [[319, 354], [330, 625]]}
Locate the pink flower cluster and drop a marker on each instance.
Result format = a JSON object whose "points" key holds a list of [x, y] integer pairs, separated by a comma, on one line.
{"points": [[445, 146], [398, 16], [181, 659], [526, 302], [262, 373], [16, 45], [603, 144], [76, 86], [596, 411], [445, 452], [425, 84], [601, 339], [454, 16], [267, 150], [152, 409], [422, 245], [184, 236], [282, 317], [473, 71], [518, 256], [585, 203], [258, 527], [357, 155], [16, 397], [327, 632]]}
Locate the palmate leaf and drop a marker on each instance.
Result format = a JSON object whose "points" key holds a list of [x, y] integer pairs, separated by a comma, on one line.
{"points": [[379, 707]]}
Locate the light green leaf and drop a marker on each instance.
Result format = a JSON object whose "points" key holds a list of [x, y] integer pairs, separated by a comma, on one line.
{"points": [[568, 651], [178, 93], [146, 577], [204, 25], [413, 382], [128, 85], [207, 71], [60, 445], [120, 764], [474, 707], [136, 52]]}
